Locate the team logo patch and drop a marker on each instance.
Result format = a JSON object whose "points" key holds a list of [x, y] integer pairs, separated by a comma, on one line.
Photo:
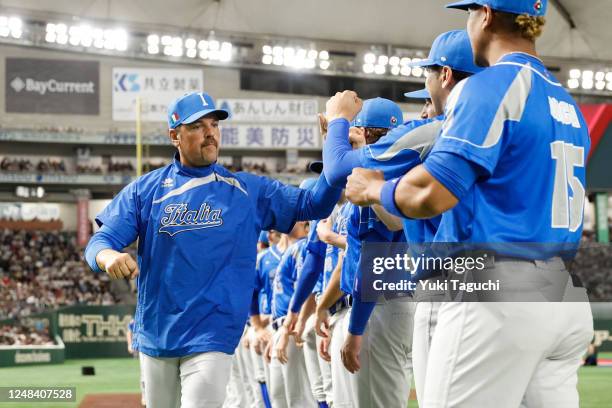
{"points": [[180, 218], [167, 182], [175, 117], [393, 120], [538, 6]]}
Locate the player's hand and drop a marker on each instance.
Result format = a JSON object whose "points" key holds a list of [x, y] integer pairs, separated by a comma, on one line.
{"points": [[363, 187], [357, 137], [263, 339], [322, 125], [324, 230], [350, 353], [323, 347], [322, 322], [267, 355], [280, 348], [298, 332], [344, 105], [130, 349], [290, 321], [118, 265]]}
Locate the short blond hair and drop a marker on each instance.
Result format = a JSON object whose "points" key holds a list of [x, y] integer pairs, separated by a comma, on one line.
{"points": [[530, 27]]}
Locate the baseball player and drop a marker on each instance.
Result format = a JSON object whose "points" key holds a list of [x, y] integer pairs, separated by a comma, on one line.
{"points": [[510, 131], [289, 386], [197, 225], [450, 61], [300, 317]]}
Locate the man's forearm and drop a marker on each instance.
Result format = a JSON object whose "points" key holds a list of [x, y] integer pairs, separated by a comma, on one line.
{"points": [[308, 308], [339, 159], [392, 222], [318, 202]]}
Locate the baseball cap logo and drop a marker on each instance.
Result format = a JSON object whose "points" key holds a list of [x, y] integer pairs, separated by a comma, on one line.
{"points": [[538, 5], [393, 120], [175, 117]]}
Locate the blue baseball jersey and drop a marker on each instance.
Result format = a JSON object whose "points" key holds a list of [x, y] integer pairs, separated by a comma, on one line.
{"points": [[267, 262], [197, 230], [332, 252], [401, 148], [362, 225], [286, 277], [525, 135], [396, 153]]}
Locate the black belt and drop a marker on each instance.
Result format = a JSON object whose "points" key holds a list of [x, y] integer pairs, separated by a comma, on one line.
{"points": [[343, 303], [278, 323]]}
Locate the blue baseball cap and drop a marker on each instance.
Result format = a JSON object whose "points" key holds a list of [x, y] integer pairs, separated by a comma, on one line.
{"points": [[191, 107], [263, 237], [420, 94], [379, 113], [451, 49], [534, 8], [308, 183]]}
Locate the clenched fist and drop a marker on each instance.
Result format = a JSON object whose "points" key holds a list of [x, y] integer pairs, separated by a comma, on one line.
{"points": [[363, 187], [343, 105], [117, 264]]}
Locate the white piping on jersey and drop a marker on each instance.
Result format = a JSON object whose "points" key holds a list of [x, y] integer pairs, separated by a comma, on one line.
{"points": [[531, 68], [415, 139], [511, 108], [197, 182]]}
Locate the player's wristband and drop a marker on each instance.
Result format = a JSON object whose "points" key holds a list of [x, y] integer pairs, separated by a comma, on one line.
{"points": [[387, 197]]}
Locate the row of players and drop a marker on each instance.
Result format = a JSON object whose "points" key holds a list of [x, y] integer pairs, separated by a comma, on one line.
{"points": [[505, 163]]}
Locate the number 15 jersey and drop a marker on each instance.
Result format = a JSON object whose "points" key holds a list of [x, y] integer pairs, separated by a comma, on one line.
{"points": [[529, 141]]}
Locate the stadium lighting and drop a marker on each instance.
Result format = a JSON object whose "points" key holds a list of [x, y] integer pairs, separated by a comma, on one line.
{"points": [[11, 27], [379, 69], [378, 64], [86, 36], [573, 83], [294, 57], [589, 79]]}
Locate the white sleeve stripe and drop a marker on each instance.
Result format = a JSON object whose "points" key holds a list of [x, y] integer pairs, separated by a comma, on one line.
{"points": [[197, 182], [416, 139], [511, 108]]}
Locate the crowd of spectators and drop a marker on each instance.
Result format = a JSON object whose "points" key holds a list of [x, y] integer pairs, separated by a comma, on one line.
{"points": [[26, 166], [44, 270], [20, 335], [593, 266], [120, 167]]}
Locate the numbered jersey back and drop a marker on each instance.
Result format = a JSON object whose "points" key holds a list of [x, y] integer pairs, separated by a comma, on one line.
{"points": [[526, 133]]}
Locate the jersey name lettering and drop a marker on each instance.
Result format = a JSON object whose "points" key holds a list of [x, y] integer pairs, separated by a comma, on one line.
{"points": [[563, 112], [180, 218]]}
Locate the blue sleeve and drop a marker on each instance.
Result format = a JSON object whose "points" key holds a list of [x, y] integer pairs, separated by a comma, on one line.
{"points": [[402, 148], [254, 308], [360, 314], [104, 238], [122, 215], [339, 158], [311, 270], [453, 172], [279, 206], [481, 112]]}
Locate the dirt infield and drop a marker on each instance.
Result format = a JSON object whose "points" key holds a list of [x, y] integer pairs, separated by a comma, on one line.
{"points": [[111, 401]]}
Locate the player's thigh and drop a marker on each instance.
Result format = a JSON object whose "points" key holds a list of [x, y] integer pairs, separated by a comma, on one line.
{"points": [[481, 351], [162, 381], [204, 379], [554, 382]]}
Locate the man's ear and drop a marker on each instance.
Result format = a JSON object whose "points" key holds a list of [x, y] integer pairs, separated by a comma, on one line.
{"points": [[174, 136], [487, 17], [447, 77]]}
